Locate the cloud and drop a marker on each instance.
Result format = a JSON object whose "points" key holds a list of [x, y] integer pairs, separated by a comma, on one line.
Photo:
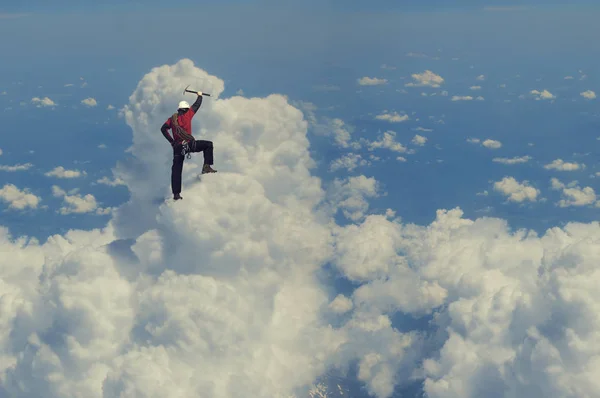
{"points": [[492, 144], [116, 181], [423, 129], [544, 95], [515, 160], [461, 98], [61, 172], [480, 77], [0, 151], [419, 140], [234, 274], [349, 195], [515, 191], [559, 164], [110, 107], [91, 102], [392, 117], [43, 102], [18, 199], [387, 141], [371, 81], [341, 304], [17, 167], [388, 67], [348, 162], [427, 78], [329, 127], [341, 133], [475, 87], [77, 204], [574, 195], [589, 94]]}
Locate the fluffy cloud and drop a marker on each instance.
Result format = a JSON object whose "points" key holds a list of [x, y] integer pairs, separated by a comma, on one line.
{"points": [[387, 141], [91, 102], [348, 162], [77, 204], [419, 140], [43, 102], [427, 78], [18, 199], [392, 117], [329, 127], [542, 95], [573, 194], [351, 195], [115, 181], [61, 172], [589, 94], [371, 81], [515, 191], [561, 165], [492, 144], [341, 133]]}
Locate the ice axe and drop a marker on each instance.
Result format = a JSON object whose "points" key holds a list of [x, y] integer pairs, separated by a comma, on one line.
{"points": [[192, 91]]}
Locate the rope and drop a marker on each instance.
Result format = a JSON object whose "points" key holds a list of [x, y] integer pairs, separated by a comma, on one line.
{"points": [[183, 136]]}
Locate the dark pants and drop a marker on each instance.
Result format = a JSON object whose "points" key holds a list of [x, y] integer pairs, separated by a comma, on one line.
{"points": [[178, 157]]}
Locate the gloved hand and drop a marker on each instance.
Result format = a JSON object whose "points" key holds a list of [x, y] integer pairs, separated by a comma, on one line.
{"points": [[199, 93]]}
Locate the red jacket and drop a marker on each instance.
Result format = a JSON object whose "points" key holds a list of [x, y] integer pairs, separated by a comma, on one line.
{"points": [[184, 121]]}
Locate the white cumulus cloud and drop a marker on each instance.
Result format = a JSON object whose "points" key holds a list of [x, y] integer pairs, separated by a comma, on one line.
{"points": [[573, 194], [76, 203], [589, 94], [43, 102], [542, 95], [371, 81], [18, 199], [61, 172], [348, 162], [91, 102], [419, 140], [387, 141], [516, 191], [492, 144], [427, 78], [393, 117], [561, 165]]}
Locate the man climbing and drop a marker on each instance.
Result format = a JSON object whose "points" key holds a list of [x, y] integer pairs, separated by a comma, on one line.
{"points": [[183, 142]]}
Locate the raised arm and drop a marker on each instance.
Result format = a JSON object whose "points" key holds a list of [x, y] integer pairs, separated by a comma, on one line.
{"points": [[196, 105]]}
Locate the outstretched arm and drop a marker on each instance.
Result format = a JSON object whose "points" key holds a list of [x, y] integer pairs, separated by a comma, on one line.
{"points": [[196, 105], [165, 131]]}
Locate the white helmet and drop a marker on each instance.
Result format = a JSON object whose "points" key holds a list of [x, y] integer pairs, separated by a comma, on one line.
{"points": [[183, 105]]}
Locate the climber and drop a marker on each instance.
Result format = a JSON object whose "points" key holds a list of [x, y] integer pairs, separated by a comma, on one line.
{"points": [[183, 142]]}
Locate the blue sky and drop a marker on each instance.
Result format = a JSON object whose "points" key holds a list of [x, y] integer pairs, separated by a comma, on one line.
{"points": [[316, 52]]}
